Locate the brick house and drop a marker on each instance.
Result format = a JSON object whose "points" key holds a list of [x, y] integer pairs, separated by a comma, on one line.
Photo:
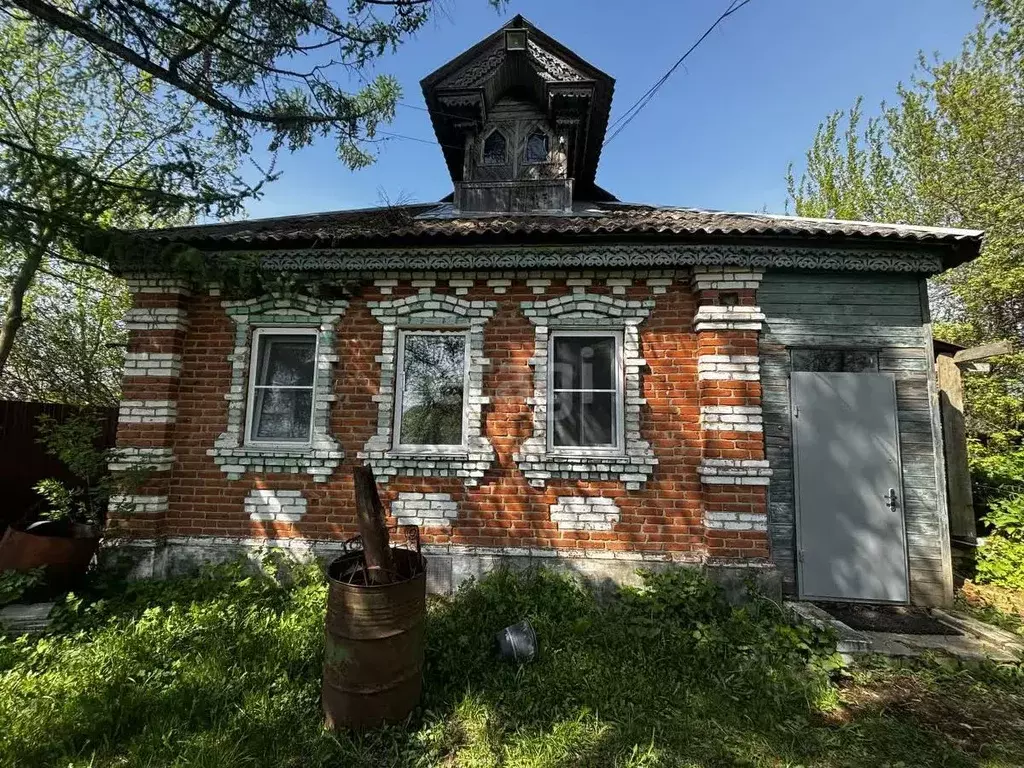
{"points": [[537, 372]]}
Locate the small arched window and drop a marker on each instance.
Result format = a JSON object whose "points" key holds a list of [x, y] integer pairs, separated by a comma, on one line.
{"points": [[537, 147], [495, 149]]}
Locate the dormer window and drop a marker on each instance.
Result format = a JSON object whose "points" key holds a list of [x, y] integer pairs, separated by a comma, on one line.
{"points": [[495, 149], [537, 147]]}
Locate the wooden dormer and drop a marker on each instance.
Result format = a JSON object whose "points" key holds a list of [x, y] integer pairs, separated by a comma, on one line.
{"points": [[520, 119]]}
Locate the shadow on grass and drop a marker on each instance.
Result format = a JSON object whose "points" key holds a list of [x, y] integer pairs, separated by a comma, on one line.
{"points": [[224, 670]]}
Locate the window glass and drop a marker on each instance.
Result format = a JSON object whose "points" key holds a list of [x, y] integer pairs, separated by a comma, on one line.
{"points": [[282, 387], [537, 147], [835, 360], [432, 387], [495, 149], [585, 399]]}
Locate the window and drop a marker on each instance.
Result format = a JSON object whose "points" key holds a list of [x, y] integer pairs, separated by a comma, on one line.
{"points": [[281, 386], [431, 390], [586, 388], [495, 149], [835, 360], [537, 147]]}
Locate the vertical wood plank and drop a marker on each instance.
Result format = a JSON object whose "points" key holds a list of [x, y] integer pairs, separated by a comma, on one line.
{"points": [[954, 438], [942, 511]]}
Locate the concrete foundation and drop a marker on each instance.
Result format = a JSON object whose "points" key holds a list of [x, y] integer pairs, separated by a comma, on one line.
{"points": [[448, 567]]}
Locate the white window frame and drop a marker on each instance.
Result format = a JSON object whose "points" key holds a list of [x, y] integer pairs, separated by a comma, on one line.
{"points": [[619, 424], [254, 353], [397, 445]]}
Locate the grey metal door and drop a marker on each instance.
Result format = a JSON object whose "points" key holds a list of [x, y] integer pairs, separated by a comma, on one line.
{"points": [[850, 534]]}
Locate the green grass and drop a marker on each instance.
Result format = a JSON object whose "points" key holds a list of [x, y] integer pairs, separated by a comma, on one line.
{"points": [[223, 670]]}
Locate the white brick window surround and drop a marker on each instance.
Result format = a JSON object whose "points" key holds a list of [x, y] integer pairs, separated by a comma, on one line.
{"points": [[430, 401], [613, 449], [291, 427]]}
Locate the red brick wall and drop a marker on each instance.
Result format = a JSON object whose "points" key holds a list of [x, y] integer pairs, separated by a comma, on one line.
{"points": [[504, 510]]}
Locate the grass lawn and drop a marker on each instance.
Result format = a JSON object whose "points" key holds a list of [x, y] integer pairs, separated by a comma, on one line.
{"points": [[223, 669]]}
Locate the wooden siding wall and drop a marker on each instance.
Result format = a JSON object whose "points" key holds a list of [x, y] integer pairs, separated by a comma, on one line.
{"points": [[887, 313]]}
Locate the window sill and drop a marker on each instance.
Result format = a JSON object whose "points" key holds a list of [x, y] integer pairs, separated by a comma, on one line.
{"points": [[590, 457], [460, 454]]}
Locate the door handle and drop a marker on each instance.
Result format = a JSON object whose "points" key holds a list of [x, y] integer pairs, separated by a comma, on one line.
{"points": [[890, 499]]}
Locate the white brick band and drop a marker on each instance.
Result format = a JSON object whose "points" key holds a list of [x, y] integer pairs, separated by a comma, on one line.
{"points": [[734, 472], [275, 506], [726, 278], [584, 513], [153, 459], [137, 504], [728, 368], [736, 521], [729, 318], [156, 319], [152, 364], [147, 412], [165, 285], [732, 418], [425, 509]]}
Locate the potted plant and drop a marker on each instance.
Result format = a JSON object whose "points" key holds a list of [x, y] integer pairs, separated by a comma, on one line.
{"points": [[65, 540]]}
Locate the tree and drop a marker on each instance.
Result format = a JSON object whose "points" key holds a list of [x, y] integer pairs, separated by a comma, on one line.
{"points": [[71, 348], [82, 147], [948, 152], [137, 112]]}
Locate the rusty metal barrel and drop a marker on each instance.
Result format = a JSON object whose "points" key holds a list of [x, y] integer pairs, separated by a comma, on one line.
{"points": [[373, 659]]}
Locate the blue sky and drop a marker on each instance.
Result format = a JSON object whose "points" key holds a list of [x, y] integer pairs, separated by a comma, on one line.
{"points": [[719, 135]]}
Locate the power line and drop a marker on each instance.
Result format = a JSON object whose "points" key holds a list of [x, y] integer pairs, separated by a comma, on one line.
{"points": [[630, 114]]}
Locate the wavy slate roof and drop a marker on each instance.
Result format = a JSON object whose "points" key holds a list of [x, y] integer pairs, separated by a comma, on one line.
{"points": [[434, 224]]}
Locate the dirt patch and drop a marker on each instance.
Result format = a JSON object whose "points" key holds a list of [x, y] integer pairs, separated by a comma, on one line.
{"points": [[1009, 601], [902, 619], [968, 717]]}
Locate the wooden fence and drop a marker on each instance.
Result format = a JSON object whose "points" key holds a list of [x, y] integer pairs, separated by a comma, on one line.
{"points": [[24, 461]]}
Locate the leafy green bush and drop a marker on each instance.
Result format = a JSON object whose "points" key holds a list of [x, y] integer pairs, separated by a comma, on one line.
{"points": [[998, 472], [15, 585], [1001, 561], [76, 442]]}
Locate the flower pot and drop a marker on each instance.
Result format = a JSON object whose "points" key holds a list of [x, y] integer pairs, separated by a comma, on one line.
{"points": [[65, 549]]}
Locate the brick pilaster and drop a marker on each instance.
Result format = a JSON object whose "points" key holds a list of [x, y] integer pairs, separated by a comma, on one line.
{"points": [[157, 326], [733, 470]]}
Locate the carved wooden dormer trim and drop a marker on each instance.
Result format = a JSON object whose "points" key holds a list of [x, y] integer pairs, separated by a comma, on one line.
{"points": [[517, 84]]}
